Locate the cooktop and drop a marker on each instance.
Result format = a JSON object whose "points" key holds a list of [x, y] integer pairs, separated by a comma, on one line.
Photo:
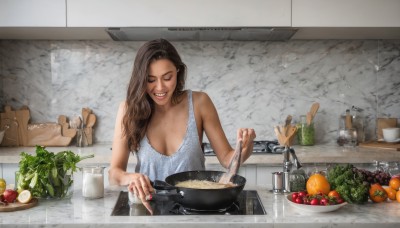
{"points": [[247, 203], [259, 147]]}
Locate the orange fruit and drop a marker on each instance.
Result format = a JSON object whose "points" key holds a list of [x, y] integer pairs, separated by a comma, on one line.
{"points": [[317, 183], [398, 196], [394, 183], [391, 193]]}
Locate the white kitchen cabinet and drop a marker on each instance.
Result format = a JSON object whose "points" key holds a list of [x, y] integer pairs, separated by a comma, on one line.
{"points": [[345, 13], [178, 13], [32, 13]]}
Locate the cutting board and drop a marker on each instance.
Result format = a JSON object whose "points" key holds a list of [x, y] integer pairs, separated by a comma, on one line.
{"points": [[381, 145], [18, 206]]}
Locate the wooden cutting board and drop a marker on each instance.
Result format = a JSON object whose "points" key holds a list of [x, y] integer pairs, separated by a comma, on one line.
{"points": [[18, 206], [381, 145]]}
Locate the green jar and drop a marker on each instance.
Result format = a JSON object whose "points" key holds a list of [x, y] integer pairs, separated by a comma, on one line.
{"points": [[305, 132]]}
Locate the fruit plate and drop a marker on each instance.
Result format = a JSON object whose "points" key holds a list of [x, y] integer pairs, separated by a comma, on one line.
{"points": [[314, 208], [18, 206]]}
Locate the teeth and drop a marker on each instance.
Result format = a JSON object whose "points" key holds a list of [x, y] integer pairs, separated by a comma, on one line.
{"points": [[160, 94]]}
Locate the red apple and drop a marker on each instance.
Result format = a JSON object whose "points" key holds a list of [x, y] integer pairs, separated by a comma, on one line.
{"points": [[10, 195]]}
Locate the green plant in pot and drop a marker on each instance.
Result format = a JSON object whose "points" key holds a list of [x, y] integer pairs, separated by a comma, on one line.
{"points": [[48, 174]]}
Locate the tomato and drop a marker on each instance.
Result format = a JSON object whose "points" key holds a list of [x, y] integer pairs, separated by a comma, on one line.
{"points": [[295, 195], [324, 201], [314, 201], [339, 200], [299, 200], [377, 194], [302, 194], [334, 194]]}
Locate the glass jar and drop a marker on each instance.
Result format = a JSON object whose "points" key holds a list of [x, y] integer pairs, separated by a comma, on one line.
{"points": [[81, 138], [297, 180], [305, 132], [92, 182]]}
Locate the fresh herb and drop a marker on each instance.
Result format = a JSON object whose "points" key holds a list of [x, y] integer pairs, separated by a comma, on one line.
{"points": [[48, 174], [305, 134], [348, 183]]}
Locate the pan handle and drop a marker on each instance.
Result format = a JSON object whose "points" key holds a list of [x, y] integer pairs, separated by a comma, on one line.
{"points": [[162, 185]]}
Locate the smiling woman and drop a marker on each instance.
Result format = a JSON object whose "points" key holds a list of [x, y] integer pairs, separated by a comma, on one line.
{"points": [[164, 124]]}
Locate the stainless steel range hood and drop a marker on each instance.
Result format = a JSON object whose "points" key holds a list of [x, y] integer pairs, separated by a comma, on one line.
{"points": [[201, 33]]}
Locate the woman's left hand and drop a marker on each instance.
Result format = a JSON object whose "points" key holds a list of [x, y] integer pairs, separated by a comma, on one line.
{"points": [[247, 136]]}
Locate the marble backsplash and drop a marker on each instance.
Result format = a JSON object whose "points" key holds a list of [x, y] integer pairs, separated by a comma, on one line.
{"points": [[252, 84]]}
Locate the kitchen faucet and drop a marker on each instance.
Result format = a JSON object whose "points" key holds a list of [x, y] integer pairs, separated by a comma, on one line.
{"points": [[287, 162]]}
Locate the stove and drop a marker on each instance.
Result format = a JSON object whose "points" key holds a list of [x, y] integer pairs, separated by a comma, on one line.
{"points": [[247, 203], [259, 147]]}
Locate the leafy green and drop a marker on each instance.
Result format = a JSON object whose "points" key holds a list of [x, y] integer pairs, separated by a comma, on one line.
{"points": [[348, 183], [47, 174]]}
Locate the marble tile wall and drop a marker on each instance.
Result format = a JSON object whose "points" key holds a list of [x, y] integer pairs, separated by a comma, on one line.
{"points": [[252, 84]]}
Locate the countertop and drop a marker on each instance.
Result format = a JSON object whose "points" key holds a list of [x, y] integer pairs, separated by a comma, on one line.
{"points": [[78, 212], [306, 154]]}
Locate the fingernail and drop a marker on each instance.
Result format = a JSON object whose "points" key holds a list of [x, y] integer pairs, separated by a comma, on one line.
{"points": [[149, 197]]}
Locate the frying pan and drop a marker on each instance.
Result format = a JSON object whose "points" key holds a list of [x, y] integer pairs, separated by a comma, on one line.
{"points": [[200, 199]]}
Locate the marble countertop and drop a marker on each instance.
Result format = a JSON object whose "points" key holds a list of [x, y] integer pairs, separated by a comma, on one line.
{"points": [[78, 212], [306, 154]]}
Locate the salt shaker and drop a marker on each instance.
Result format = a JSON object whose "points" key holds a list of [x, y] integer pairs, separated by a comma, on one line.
{"points": [[93, 182]]}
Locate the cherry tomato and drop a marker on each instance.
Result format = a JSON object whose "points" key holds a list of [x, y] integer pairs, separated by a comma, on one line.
{"points": [[339, 200], [324, 201], [299, 200], [314, 201], [295, 195], [334, 194], [302, 194]]}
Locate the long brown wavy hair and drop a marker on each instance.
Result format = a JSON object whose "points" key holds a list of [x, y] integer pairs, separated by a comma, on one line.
{"points": [[139, 105]]}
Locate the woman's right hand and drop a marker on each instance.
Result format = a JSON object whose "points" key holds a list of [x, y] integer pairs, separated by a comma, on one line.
{"points": [[141, 187]]}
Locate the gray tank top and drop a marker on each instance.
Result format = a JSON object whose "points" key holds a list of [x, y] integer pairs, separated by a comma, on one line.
{"points": [[189, 156]]}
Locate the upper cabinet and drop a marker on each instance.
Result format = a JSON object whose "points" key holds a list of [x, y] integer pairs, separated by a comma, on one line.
{"points": [[345, 13], [32, 13], [178, 13]]}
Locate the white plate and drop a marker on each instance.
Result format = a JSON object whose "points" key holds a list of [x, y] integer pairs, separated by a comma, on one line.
{"points": [[314, 208]]}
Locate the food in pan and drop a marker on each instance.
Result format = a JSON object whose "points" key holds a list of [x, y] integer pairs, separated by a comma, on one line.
{"points": [[203, 184]]}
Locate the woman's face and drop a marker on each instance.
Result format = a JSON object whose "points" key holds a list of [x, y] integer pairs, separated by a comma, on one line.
{"points": [[161, 81]]}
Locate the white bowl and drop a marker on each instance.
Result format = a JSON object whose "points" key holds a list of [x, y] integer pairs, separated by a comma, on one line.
{"points": [[314, 208]]}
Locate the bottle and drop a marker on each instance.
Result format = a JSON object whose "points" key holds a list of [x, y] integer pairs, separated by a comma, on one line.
{"points": [[358, 123], [305, 132]]}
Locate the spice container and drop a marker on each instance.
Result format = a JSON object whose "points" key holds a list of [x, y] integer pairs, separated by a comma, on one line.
{"points": [[93, 182], [305, 132]]}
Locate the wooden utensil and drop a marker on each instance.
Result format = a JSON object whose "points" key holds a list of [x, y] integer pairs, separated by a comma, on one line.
{"points": [[91, 120], [291, 132], [348, 122], [233, 166], [313, 111], [85, 114], [279, 135], [287, 123]]}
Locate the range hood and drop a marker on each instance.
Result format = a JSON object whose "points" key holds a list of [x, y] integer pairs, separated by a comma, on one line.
{"points": [[201, 33]]}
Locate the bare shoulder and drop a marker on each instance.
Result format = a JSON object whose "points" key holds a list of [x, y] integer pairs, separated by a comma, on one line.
{"points": [[201, 98], [122, 106]]}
